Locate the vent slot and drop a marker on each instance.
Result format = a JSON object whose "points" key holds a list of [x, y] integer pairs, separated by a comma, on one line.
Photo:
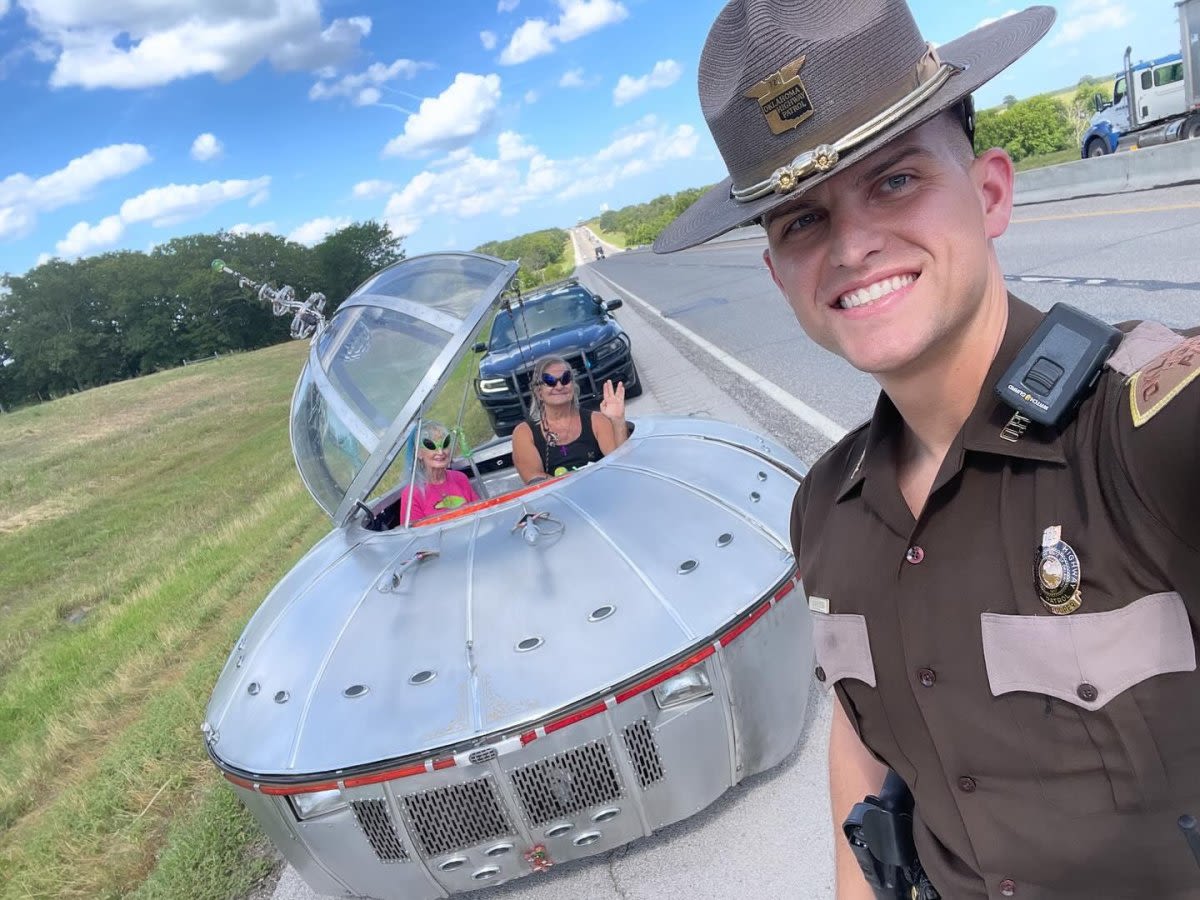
{"points": [[456, 817], [563, 784], [377, 825], [643, 753]]}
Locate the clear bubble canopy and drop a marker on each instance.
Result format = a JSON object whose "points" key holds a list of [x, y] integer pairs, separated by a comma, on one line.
{"points": [[385, 352]]}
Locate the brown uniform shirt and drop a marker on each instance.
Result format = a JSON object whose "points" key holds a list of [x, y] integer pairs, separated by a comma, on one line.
{"points": [[1050, 755]]}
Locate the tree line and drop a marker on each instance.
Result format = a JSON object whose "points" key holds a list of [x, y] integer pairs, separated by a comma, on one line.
{"points": [[69, 326], [1042, 124], [641, 223], [542, 254]]}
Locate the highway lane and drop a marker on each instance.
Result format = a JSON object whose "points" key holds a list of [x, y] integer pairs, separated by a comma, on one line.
{"points": [[1119, 257]]}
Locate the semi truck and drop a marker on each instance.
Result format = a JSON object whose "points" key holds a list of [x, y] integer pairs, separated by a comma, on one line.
{"points": [[1153, 102]]}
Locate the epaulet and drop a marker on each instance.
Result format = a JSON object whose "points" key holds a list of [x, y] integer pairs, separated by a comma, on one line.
{"points": [[1160, 363]]}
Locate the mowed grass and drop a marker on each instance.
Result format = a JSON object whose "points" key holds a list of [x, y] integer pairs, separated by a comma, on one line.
{"points": [[140, 526]]}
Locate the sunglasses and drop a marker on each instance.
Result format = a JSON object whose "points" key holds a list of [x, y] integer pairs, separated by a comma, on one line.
{"points": [[430, 444], [550, 381]]}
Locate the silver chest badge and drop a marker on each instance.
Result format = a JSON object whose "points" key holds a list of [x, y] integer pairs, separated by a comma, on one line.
{"points": [[1056, 571]]}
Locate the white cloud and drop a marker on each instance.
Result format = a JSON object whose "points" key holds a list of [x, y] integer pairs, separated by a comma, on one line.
{"points": [[572, 78], [1084, 17], [22, 197], [488, 39], [362, 89], [373, 188], [531, 97], [464, 185], [206, 147], [83, 237], [244, 228], [145, 43], [990, 19], [664, 74], [179, 202], [316, 230], [455, 116], [537, 37], [507, 5], [511, 145]]}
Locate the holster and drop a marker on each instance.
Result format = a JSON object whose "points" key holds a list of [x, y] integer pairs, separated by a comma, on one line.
{"points": [[880, 832]]}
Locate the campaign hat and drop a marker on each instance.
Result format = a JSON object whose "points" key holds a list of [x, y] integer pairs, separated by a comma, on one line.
{"points": [[795, 91]]}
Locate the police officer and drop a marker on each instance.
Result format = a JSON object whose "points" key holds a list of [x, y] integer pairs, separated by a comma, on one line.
{"points": [[1008, 612]]}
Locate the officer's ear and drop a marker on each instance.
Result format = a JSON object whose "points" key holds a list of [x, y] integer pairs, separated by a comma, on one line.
{"points": [[992, 173]]}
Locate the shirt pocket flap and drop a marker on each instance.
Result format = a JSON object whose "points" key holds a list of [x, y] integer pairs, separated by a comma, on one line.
{"points": [[842, 647], [1088, 658]]}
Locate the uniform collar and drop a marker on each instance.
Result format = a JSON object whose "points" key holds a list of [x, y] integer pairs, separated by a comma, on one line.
{"points": [[874, 453]]}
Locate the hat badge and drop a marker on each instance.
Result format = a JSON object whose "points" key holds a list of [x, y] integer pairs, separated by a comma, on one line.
{"points": [[782, 97]]}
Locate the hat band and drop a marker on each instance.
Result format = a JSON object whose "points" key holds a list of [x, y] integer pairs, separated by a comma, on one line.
{"points": [[824, 157]]}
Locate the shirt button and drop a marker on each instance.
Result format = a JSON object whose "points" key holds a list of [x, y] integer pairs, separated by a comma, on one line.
{"points": [[927, 677], [914, 555], [1087, 693], [820, 673], [966, 784], [1008, 887]]}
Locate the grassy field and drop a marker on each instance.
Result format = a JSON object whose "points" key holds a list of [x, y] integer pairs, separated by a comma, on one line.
{"points": [[611, 237], [140, 526]]}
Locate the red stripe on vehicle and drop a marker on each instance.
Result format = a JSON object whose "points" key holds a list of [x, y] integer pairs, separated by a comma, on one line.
{"points": [[287, 790], [576, 717], [662, 676], [728, 637]]}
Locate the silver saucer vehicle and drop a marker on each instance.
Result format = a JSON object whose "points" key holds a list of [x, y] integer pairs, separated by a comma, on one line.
{"points": [[542, 675]]}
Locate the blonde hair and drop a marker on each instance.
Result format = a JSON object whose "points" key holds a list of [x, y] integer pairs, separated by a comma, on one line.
{"points": [[537, 409]]}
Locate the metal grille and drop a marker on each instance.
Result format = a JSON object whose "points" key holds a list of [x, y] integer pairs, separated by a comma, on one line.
{"points": [[482, 756], [643, 753], [565, 783], [377, 826], [456, 817]]}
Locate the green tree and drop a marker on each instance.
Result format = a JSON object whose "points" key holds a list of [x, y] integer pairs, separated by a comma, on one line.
{"points": [[347, 258], [1027, 128]]}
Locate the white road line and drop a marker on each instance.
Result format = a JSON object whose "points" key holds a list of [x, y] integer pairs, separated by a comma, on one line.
{"points": [[794, 405]]}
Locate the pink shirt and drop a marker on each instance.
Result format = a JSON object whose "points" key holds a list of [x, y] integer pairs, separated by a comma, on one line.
{"points": [[427, 500]]}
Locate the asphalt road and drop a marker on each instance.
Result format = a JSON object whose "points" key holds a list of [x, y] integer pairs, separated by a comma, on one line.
{"points": [[713, 337], [1119, 257]]}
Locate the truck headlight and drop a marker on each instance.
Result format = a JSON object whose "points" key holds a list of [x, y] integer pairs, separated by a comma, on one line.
{"points": [[318, 803], [616, 345], [492, 385], [683, 688]]}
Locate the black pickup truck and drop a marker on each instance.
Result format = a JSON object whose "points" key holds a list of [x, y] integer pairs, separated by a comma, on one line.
{"points": [[564, 320]]}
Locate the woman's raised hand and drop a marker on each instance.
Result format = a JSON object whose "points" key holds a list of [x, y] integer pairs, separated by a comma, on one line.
{"points": [[613, 404]]}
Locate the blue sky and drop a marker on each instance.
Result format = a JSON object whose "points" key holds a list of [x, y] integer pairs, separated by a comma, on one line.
{"points": [[129, 122]]}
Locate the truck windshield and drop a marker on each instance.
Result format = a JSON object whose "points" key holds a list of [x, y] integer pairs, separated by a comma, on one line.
{"points": [[541, 316]]}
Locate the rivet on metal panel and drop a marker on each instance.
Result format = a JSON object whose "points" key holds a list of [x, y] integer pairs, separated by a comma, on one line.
{"points": [[241, 659], [755, 496], [688, 565], [252, 689], [724, 540], [602, 612], [282, 696], [529, 643], [355, 690], [762, 476], [423, 677]]}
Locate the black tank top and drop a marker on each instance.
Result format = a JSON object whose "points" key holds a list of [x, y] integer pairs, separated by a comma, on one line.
{"points": [[565, 457]]}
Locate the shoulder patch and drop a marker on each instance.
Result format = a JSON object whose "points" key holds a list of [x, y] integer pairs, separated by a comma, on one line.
{"points": [[1144, 343], [1154, 385]]}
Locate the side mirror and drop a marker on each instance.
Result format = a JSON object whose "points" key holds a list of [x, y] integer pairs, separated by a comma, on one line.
{"points": [[615, 303], [480, 347], [1099, 101]]}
